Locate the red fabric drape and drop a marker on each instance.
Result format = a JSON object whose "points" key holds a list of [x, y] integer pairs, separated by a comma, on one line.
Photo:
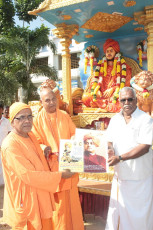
{"points": [[94, 204]]}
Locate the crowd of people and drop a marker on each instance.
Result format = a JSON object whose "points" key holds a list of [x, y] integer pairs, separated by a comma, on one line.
{"points": [[39, 197], [37, 194]]}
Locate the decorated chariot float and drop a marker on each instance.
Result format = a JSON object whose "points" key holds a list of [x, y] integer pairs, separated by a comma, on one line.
{"points": [[94, 22]]}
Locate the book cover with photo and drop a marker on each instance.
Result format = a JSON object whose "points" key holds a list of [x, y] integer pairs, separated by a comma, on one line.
{"points": [[86, 153], [71, 155], [95, 149]]}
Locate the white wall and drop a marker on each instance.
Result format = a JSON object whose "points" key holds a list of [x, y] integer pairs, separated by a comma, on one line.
{"points": [[53, 60]]}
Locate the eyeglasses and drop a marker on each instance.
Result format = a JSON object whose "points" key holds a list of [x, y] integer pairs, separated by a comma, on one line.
{"points": [[53, 100], [130, 99], [24, 118]]}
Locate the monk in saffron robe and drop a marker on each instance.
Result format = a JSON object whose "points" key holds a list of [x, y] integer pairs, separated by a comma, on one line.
{"points": [[29, 184], [51, 125], [110, 76]]}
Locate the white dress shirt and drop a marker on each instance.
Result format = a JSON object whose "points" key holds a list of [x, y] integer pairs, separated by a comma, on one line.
{"points": [[125, 137], [5, 128]]}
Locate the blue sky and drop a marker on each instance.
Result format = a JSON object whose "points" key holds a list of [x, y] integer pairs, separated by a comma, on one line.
{"points": [[34, 23]]}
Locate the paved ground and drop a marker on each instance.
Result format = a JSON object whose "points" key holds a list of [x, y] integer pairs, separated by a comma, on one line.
{"points": [[3, 226], [94, 223], [91, 222]]}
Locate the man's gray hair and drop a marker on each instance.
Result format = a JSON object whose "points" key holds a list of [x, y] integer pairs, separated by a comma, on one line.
{"points": [[125, 89]]}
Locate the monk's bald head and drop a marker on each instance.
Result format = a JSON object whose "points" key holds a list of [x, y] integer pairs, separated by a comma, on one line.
{"points": [[48, 100], [45, 90]]}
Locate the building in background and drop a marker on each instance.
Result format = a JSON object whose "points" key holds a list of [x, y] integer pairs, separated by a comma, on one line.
{"points": [[46, 56]]}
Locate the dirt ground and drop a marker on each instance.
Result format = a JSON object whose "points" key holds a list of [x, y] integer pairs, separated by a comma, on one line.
{"points": [[91, 223]]}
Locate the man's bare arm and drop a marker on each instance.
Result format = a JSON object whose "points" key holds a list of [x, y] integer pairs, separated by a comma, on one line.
{"points": [[136, 152]]}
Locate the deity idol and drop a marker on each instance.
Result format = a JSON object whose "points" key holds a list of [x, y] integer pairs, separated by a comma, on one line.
{"points": [[111, 74]]}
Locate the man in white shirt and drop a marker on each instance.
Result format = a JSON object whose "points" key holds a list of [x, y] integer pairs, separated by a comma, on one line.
{"points": [[5, 128], [6, 111], [130, 136]]}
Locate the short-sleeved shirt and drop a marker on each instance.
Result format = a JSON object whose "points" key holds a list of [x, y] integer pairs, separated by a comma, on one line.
{"points": [[5, 128], [125, 137]]}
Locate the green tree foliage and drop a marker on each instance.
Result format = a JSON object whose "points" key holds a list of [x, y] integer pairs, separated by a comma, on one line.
{"points": [[8, 81], [21, 47], [22, 8], [7, 13]]}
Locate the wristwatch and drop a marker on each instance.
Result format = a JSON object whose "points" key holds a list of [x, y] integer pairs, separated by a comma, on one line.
{"points": [[121, 159]]}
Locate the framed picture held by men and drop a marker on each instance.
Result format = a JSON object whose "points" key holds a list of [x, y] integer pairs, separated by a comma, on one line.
{"points": [[87, 152]]}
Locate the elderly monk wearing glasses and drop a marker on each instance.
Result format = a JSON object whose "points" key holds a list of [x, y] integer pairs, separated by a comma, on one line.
{"points": [[50, 126], [29, 184], [130, 136]]}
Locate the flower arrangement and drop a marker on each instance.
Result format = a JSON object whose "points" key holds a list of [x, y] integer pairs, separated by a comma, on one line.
{"points": [[139, 50], [96, 81], [89, 54], [120, 65], [141, 47], [119, 68]]}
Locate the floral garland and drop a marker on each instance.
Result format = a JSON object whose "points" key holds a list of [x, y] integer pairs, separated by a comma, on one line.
{"points": [[119, 68], [89, 54], [145, 92], [96, 81], [140, 49]]}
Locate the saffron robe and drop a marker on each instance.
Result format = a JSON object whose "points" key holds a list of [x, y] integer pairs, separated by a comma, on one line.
{"points": [[108, 85], [94, 163], [49, 129], [29, 185]]}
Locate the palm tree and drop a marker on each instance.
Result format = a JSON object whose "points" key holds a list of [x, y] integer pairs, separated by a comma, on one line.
{"points": [[21, 47], [8, 83]]}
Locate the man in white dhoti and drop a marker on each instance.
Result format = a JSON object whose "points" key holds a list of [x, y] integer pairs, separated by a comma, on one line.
{"points": [[5, 128], [130, 136]]}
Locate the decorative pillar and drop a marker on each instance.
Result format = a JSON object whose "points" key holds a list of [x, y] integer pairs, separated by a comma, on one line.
{"points": [[65, 33], [146, 18]]}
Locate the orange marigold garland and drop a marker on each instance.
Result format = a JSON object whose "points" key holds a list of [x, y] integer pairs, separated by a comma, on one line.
{"points": [[95, 86], [86, 62], [139, 50], [100, 71], [119, 68], [121, 76]]}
